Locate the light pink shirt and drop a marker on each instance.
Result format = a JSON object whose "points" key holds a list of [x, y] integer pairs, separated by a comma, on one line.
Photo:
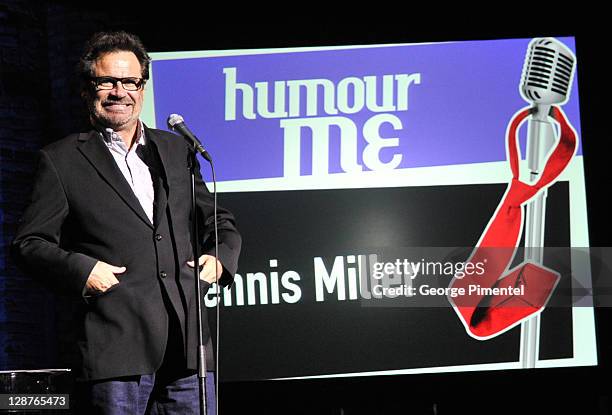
{"points": [[135, 171]]}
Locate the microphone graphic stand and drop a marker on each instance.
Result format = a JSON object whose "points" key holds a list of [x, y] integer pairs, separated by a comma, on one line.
{"points": [[540, 141]]}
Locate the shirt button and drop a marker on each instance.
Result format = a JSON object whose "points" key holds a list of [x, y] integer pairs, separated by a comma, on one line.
{"points": [[158, 237], [163, 274]]}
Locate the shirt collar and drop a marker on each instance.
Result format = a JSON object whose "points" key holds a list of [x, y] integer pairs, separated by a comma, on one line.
{"points": [[111, 138]]}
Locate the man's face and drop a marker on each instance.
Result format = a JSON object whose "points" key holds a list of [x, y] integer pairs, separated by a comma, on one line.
{"points": [[117, 108]]}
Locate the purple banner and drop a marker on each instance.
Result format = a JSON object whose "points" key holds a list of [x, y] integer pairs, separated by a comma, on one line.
{"points": [[287, 114]]}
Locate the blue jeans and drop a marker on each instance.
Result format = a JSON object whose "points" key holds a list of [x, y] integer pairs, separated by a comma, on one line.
{"points": [[147, 394]]}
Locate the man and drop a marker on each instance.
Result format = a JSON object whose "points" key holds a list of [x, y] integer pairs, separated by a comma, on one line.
{"points": [[109, 221]]}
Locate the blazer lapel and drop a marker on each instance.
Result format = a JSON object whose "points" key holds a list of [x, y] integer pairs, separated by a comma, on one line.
{"points": [[93, 148], [158, 174]]}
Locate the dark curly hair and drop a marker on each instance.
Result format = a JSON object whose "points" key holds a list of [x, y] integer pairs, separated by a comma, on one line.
{"points": [[107, 42]]}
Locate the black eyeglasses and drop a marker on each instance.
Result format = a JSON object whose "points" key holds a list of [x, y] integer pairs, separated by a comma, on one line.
{"points": [[109, 82]]}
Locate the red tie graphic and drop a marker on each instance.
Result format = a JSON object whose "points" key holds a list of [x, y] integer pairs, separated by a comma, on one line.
{"points": [[488, 315]]}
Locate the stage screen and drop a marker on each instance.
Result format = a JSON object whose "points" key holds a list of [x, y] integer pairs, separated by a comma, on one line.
{"points": [[362, 178]]}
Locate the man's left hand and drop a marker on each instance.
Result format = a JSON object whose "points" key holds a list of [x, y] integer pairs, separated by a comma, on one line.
{"points": [[208, 273]]}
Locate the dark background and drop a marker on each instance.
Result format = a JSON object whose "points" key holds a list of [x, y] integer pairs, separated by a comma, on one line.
{"points": [[40, 42]]}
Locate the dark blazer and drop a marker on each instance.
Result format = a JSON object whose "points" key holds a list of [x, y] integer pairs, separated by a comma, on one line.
{"points": [[82, 210]]}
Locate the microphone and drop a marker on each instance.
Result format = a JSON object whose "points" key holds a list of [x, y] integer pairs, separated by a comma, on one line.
{"points": [[547, 78], [548, 72], [177, 123]]}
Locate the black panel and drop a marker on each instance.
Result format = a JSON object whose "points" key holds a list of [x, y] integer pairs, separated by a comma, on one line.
{"points": [[331, 336]]}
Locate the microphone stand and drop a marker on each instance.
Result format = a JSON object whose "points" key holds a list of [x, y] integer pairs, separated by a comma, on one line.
{"points": [[197, 148], [175, 122], [195, 243]]}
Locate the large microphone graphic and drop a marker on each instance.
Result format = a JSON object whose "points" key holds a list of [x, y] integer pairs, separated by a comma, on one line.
{"points": [[546, 81], [547, 78]]}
